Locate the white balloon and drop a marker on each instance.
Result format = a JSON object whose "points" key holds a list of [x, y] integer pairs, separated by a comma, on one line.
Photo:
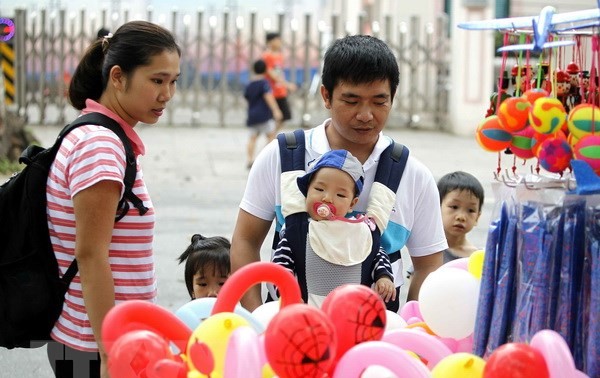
{"points": [[265, 312], [377, 371], [393, 321], [448, 302]]}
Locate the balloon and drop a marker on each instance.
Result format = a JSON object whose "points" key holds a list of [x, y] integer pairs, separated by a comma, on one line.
{"points": [[249, 275], [475, 263], [555, 351], [300, 342], [242, 358], [358, 314], [135, 352], [423, 344], [516, 360], [195, 311], [459, 365], [214, 333], [166, 368], [361, 356], [265, 312], [462, 263], [411, 310], [377, 371], [142, 315], [448, 301], [394, 321]]}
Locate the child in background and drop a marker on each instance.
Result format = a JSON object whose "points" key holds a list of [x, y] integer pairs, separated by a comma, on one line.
{"points": [[207, 265], [461, 199], [263, 110], [322, 247]]}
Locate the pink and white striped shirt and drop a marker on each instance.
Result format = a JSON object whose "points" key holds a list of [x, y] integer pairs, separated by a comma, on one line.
{"points": [[88, 155]]}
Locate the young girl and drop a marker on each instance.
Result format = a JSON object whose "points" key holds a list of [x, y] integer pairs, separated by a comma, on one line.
{"points": [[130, 77], [206, 265]]}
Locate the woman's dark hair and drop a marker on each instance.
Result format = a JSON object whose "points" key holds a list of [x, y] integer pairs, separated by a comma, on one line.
{"points": [[359, 59], [461, 181], [132, 45], [204, 253]]}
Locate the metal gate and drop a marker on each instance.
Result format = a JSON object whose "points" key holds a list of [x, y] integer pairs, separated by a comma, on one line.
{"points": [[218, 51]]}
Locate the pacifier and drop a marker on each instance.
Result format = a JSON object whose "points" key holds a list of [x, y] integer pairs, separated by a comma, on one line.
{"points": [[324, 210]]}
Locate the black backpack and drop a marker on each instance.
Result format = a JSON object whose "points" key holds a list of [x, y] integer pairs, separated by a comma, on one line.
{"points": [[31, 291]]}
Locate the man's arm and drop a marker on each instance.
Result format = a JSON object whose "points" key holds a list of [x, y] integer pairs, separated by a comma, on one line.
{"points": [[423, 266], [248, 237]]}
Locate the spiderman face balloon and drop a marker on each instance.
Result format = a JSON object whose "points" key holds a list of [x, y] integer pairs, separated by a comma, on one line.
{"points": [[358, 315], [300, 342]]}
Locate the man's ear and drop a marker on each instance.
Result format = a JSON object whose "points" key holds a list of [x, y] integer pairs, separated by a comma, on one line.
{"points": [[326, 97]]}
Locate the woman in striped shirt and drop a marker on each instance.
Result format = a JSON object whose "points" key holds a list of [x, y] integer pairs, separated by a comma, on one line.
{"points": [[129, 76]]}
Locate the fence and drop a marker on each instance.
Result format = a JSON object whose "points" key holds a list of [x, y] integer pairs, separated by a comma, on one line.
{"points": [[217, 54]]}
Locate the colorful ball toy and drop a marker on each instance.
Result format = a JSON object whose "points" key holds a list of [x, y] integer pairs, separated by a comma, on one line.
{"points": [[521, 142], [583, 120], [538, 138], [555, 154], [491, 136], [588, 150], [514, 113], [547, 115], [533, 94]]}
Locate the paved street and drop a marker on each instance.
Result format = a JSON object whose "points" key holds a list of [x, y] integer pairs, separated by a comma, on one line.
{"points": [[196, 177]]}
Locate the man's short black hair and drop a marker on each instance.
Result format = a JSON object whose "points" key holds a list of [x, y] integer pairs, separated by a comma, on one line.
{"points": [[272, 35]]}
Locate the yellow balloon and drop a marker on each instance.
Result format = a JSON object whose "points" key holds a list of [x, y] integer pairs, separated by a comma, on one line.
{"points": [[267, 371], [459, 365], [475, 265], [214, 331]]}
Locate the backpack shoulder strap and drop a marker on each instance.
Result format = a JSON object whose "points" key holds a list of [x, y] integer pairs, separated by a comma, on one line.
{"points": [[292, 149], [131, 166], [391, 165]]}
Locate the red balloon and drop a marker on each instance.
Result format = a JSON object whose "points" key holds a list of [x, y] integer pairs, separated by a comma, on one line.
{"points": [[246, 277], [300, 342], [135, 353], [516, 360], [142, 315], [358, 314]]}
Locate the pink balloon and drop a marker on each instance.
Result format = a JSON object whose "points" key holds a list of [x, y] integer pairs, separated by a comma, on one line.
{"points": [[242, 358], [425, 345], [462, 263], [556, 353], [363, 355], [411, 310]]}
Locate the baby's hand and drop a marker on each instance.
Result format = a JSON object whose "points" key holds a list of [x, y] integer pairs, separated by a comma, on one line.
{"points": [[386, 289]]}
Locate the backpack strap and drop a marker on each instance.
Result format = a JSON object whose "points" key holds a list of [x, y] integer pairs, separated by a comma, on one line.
{"points": [[130, 167], [292, 149], [391, 165]]}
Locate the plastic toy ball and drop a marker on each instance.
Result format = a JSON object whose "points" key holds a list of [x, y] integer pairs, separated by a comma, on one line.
{"points": [[572, 139], [583, 120], [513, 113], [555, 155], [491, 136], [547, 115], [533, 94], [521, 141], [588, 150]]}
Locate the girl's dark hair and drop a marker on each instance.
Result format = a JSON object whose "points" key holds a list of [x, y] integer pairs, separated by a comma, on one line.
{"points": [[205, 252], [461, 181], [132, 45], [359, 59]]}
